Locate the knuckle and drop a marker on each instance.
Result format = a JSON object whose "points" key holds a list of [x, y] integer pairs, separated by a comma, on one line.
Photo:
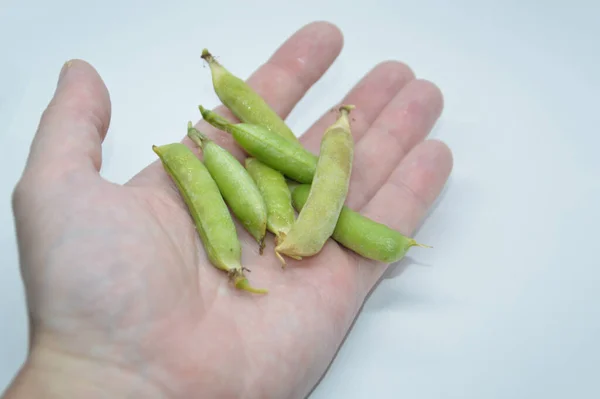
{"points": [[75, 110], [20, 193], [396, 70], [403, 190]]}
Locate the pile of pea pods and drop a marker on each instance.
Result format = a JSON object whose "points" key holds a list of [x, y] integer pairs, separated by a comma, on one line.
{"points": [[281, 188]]}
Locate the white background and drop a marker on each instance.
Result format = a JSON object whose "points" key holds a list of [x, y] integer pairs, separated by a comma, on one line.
{"points": [[507, 305]]}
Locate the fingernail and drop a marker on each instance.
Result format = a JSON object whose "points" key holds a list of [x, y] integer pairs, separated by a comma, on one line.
{"points": [[64, 71]]}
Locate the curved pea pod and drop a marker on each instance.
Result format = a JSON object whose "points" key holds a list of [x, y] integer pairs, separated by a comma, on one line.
{"points": [[277, 196], [289, 158], [208, 209], [235, 184], [362, 235], [317, 219], [247, 105]]}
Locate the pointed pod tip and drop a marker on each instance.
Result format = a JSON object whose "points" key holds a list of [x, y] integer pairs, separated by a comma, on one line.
{"points": [[414, 243], [279, 251], [212, 62], [243, 284], [347, 108], [191, 128], [195, 135], [281, 259], [215, 119], [206, 55]]}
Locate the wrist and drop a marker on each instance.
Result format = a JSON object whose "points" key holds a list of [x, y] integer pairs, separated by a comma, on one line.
{"points": [[52, 374]]}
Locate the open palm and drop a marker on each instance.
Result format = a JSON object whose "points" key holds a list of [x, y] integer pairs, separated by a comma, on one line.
{"points": [[117, 274]]}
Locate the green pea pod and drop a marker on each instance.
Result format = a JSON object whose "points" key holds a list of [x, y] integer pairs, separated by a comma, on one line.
{"points": [[277, 196], [247, 105], [235, 184], [362, 235], [208, 209], [275, 151], [317, 219]]}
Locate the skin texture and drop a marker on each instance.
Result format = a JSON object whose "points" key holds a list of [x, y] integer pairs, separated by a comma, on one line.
{"points": [[276, 194], [362, 235], [245, 103], [235, 184], [121, 300], [207, 207], [318, 217], [275, 151]]}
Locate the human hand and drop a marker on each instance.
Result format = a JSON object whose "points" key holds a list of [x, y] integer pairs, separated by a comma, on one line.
{"points": [[121, 298]]}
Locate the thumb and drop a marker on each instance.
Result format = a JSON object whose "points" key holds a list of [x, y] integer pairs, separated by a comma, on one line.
{"points": [[69, 138]]}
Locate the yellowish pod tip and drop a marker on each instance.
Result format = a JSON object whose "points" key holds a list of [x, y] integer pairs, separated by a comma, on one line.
{"points": [[278, 239], [343, 118], [413, 243], [346, 108], [241, 283], [281, 259]]}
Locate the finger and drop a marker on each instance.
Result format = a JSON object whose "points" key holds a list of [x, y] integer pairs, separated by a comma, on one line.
{"points": [[405, 198], [404, 122], [71, 130], [369, 96], [282, 81]]}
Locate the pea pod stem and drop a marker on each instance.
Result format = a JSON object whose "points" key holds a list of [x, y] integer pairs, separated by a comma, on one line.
{"points": [[241, 282]]}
